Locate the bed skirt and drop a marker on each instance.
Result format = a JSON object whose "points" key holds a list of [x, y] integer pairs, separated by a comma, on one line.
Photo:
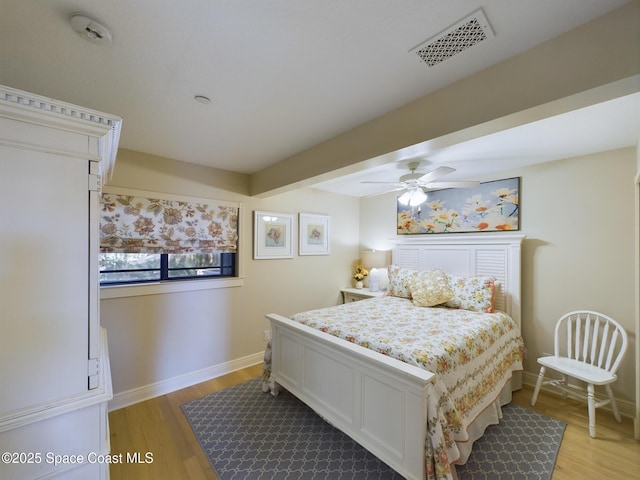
{"points": [[490, 416]]}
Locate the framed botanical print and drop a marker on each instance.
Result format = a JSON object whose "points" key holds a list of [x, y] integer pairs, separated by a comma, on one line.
{"points": [[272, 235], [489, 207], [314, 234]]}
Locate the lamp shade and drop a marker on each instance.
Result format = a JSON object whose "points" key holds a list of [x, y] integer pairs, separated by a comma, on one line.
{"points": [[413, 197], [375, 258]]}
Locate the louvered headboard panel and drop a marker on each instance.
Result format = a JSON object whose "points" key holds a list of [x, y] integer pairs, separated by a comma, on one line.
{"points": [[493, 255]]}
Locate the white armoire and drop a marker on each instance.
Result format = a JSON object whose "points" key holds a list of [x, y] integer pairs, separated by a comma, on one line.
{"points": [[54, 367]]}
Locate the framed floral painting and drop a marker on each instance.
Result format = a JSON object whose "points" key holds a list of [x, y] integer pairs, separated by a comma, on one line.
{"points": [[272, 235], [314, 234], [489, 207]]}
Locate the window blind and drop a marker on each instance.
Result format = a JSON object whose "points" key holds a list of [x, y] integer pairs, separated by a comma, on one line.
{"points": [[131, 224]]}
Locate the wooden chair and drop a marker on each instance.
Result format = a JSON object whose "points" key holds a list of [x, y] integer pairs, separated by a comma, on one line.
{"points": [[588, 346]]}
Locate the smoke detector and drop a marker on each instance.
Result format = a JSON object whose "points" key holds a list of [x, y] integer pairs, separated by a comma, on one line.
{"points": [[91, 29], [464, 34]]}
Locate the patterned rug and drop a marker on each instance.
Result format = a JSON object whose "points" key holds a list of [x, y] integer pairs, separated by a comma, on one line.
{"points": [[523, 446], [250, 435]]}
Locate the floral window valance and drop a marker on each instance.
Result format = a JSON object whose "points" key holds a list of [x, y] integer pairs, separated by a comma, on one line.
{"points": [[131, 224]]}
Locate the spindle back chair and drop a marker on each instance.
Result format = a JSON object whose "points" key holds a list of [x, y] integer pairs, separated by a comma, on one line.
{"points": [[589, 347]]}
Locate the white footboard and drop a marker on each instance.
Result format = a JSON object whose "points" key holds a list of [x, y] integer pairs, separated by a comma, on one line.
{"points": [[378, 401]]}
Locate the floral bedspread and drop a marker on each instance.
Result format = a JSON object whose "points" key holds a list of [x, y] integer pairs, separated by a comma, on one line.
{"points": [[473, 355]]}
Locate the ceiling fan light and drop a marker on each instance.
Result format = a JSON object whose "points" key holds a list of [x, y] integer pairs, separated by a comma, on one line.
{"points": [[417, 197], [413, 197], [404, 198]]}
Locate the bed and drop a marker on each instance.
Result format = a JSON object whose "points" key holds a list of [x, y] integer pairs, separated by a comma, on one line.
{"points": [[415, 385]]}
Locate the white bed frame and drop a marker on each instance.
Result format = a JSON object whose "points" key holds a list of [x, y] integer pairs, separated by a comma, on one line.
{"points": [[381, 402]]}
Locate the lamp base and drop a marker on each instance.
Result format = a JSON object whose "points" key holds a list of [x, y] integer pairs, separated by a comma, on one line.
{"points": [[374, 280]]}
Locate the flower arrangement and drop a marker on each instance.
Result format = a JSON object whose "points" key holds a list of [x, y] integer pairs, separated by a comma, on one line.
{"points": [[360, 273]]}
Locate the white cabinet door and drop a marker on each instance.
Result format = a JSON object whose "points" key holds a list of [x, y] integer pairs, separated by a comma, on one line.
{"points": [[43, 279]]}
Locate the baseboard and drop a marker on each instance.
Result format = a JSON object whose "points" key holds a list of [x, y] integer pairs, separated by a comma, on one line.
{"points": [[146, 392], [625, 407]]}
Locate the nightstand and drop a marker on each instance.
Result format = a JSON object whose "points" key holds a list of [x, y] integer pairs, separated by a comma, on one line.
{"points": [[355, 294]]}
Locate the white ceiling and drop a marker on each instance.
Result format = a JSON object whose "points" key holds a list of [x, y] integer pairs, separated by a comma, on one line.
{"points": [[284, 75], [598, 128]]}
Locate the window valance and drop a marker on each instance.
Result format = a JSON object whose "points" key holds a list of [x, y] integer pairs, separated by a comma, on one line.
{"points": [[132, 224]]}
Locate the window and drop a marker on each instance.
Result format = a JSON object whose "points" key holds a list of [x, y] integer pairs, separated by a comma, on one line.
{"points": [[147, 239], [122, 268]]}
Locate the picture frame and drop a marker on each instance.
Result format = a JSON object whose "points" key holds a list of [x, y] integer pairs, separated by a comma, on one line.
{"points": [[488, 207], [272, 235], [314, 235]]}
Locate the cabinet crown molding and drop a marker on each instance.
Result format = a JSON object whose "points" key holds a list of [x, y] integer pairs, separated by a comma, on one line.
{"points": [[29, 107]]}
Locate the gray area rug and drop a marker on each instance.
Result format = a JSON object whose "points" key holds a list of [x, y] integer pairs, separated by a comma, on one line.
{"points": [[523, 446], [250, 435]]}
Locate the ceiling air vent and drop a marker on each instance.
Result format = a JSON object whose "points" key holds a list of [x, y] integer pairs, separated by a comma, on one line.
{"points": [[462, 35]]}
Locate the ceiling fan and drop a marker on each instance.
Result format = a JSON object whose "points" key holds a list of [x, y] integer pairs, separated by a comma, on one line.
{"points": [[415, 184]]}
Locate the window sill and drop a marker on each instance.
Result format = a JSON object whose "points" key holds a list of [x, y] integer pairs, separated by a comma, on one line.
{"points": [[160, 288]]}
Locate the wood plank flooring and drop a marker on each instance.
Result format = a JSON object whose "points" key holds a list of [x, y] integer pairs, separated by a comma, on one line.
{"points": [[613, 454], [159, 428]]}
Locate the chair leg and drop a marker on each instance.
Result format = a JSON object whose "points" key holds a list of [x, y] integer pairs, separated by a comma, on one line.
{"points": [[591, 401], [565, 382], [614, 405], [536, 391]]}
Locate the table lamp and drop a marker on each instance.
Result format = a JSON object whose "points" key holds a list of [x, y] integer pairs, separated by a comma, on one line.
{"points": [[376, 261]]}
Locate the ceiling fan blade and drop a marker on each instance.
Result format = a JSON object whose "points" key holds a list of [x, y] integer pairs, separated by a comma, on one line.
{"points": [[386, 191], [451, 184], [435, 174], [385, 183]]}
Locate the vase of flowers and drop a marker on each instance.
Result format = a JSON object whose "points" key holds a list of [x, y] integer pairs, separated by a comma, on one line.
{"points": [[359, 274]]}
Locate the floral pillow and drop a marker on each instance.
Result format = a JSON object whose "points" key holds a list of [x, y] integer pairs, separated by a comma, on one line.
{"points": [[430, 288], [472, 293], [399, 281]]}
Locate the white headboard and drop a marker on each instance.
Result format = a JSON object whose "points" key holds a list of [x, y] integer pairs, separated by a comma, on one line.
{"points": [[497, 255]]}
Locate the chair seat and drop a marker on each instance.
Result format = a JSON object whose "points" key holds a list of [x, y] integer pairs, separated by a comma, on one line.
{"points": [[577, 369]]}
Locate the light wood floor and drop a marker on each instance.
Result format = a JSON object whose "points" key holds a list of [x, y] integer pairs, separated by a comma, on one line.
{"points": [[159, 427]]}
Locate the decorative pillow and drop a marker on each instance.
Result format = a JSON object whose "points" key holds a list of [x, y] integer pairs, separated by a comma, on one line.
{"points": [[399, 279], [430, 288], [472, 293]]}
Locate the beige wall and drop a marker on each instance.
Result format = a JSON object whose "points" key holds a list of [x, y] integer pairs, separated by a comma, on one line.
{"points": [[578, 218], [155, 338], [578, 257]]}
